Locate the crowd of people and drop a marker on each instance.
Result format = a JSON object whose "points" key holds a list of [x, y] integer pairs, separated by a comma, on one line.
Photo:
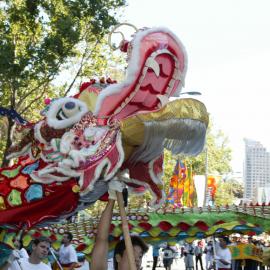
{"points": [[200, 254], [206, 255]]}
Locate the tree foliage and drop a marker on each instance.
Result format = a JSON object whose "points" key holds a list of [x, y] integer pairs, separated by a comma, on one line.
{"points": [[228, 192], [41, 39]]}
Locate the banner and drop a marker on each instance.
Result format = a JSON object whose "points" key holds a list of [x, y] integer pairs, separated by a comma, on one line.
{"points": [[189, 197], [246, 251], [182, 190], [177, 184], [211, 188]]}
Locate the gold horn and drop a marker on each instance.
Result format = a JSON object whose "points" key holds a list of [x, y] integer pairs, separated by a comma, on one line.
{"points": [[113, 47]]}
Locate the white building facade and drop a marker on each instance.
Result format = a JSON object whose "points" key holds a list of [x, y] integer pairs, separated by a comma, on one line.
{"points": [[256, 170]]}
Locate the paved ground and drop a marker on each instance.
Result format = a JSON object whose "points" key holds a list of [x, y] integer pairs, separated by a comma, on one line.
{"points": [[177, 265]]}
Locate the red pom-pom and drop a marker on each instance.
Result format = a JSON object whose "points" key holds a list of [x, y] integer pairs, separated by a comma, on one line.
{"points": [[81, 247], [109, 80], [124, 46], [47, 101], [53, 238], [84, 86], [36, 235]]}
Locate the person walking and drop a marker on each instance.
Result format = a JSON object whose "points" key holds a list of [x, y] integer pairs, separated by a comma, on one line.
{"points": [[20, 251], [168, 255], [223, 256], [40, 250], [67, 254], [188, 252], [209, 255], [198, 251], [155, 256]]}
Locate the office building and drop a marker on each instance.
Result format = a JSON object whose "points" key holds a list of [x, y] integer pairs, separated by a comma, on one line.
{"points": [[256, 169]]}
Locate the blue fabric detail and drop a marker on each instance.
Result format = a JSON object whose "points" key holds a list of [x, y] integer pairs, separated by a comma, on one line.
{"points": [[200, 235], [30, 168], [11, 113], [220, 230], [144, 234], [241, 227], [34, 192], [184, 234], [181, 237]]}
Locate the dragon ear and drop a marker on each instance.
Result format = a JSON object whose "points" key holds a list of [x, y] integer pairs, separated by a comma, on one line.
{"points": [[156, 68]]}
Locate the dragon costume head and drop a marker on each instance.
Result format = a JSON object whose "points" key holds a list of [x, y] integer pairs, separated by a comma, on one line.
{"points": [[106, 130]]}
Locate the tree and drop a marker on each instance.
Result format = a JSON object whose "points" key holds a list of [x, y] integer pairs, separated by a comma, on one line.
{"points": [[38, 40], [228, 192]]}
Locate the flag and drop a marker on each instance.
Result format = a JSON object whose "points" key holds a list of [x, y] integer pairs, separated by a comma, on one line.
{"points": [[189, 197], [212, 188], [176, 188]]}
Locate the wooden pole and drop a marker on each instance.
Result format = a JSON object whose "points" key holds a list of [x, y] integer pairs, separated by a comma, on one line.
{"points": [[57, 262], [129, 247], [205, 202]]}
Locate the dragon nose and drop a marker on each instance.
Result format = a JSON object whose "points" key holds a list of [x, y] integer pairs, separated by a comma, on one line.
{"points": [[70, 105]]}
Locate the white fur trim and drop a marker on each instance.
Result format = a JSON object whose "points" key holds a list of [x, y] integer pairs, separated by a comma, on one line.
{"points": [[157, 179], [46, 175], [57, 105], [66, 142], [133, 65], [49, 178], [55, 143], [153, 202], [104, 163], [107, 163], [26, 149], [121, 157], [75, 157]]}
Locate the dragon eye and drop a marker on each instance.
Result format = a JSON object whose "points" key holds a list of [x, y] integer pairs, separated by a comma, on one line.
{"points": [[70, 105], [70, 108]]}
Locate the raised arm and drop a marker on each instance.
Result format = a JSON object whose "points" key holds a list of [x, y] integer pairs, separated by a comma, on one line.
{"points": [[100, 252]]}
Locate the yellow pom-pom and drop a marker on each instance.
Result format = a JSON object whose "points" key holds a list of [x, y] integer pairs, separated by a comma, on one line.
{"points": [[76, 189]]}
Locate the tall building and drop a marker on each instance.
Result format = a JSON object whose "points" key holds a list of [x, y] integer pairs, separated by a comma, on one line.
{"points": [[256, 169]]}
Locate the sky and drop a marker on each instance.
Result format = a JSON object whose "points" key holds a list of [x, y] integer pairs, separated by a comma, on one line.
{"points": [[228, 48]]}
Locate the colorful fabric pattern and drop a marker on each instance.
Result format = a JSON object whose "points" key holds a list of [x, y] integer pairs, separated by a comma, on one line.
{"points": [[177, 184], [212, 187], [182, 190], [246, 251], [156, 227], [189, 195]]}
